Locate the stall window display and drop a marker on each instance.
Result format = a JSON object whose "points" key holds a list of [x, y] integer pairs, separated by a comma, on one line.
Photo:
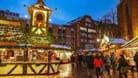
{"points": [[15, 55], [34, 55]]}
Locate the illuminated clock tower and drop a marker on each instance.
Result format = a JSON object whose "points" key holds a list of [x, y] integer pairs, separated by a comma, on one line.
{"points": [[38, 31], [39, 18]]}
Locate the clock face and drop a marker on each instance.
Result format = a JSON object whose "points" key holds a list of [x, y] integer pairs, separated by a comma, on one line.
{"points": [[39, 21]]}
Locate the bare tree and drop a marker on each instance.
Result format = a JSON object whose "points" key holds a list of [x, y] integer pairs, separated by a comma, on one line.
{"points": [[110, 17], [108, 25]]}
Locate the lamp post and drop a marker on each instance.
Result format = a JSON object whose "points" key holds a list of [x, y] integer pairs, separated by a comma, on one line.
{"points": [[98, 42]]}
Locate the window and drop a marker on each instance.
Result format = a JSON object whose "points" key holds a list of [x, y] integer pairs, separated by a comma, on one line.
{"points": [[59, 32], [64, 33], [92, 30], [83, 34], [83, 28], [90, 36], [87, 24], [40, 17], [50, 30], [72, 34]]}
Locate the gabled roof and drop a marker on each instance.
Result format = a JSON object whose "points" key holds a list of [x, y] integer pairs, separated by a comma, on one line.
{"points": [[41, 4], [95, 49], [77, 20]]}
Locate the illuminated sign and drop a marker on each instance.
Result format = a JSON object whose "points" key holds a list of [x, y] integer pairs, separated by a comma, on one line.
{"points": [[12, 23]]}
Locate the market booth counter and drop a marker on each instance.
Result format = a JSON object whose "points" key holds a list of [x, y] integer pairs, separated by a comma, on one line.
{"points": [[29, 68], [130, 48], [17, 62]]}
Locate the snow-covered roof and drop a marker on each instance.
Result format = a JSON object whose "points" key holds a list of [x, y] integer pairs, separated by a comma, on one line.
{"points": [[94, 49], [117, 41], [54, 24], [60, 46], [24, 44]]}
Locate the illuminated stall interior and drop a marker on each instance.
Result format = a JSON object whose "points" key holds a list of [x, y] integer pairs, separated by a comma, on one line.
{"points": [[130, 47]]}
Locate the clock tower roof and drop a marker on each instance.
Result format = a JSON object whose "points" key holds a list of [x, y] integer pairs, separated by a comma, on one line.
{"points": [[40, 2]]}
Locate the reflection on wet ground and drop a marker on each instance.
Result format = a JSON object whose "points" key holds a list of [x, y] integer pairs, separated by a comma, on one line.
{"points": [[67, 71]]}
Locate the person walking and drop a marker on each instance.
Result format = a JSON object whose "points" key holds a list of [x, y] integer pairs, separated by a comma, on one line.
{"points": [[98, 64], [72, 60], [136, 60], [113, 61], [123, 67], [90, 65], [131, 63], [108, 65]]}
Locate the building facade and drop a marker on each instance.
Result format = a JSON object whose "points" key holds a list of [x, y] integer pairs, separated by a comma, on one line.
{"points": [[85, 33], [109, 29], [11, 28], [127, 18], [65, 35], [80, 34], [8, 14]]}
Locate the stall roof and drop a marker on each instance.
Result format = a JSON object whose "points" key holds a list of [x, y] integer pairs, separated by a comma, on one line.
{"points": [[95, 49], [131, 43], [117, 41], [60, 46]]}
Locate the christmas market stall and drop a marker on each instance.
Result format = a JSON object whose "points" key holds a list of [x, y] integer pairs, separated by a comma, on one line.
{"points": [[130, 47]]}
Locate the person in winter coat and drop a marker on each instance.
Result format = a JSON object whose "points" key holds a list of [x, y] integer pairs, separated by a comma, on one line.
{"points": [[108, 64], [123, 67], [136, 60], [72, 60], [113, 61], [98, 64], [90, 65], [131, 63]]}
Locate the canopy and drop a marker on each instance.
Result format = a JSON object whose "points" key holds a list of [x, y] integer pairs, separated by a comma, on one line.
{"points": [[133, 43], [95, 50], [117, 41], [60, 46]]}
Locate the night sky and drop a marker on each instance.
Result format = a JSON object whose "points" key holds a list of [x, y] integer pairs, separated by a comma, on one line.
{"points": [[63, 11]]}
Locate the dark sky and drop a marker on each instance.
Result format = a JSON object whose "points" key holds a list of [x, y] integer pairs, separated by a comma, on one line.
{"points": [[63, 10]]}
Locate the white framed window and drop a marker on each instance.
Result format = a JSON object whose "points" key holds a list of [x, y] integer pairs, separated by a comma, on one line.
{"points": [[92, 30], [83, 28]]}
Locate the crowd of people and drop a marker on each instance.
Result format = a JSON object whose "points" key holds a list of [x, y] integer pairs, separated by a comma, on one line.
{"points": [[98, 63]]}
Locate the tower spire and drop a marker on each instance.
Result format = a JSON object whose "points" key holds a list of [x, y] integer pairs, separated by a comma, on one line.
{"points": [[40, 2]]}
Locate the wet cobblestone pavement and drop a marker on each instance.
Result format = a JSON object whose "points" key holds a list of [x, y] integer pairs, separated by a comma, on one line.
{"points": [[67, 71]]}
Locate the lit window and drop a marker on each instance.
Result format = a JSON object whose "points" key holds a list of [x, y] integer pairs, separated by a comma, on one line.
{"points": [[91, 30], [83, 28]]}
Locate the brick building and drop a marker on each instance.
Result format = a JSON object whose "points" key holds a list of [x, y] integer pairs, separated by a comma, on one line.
{"points": [[85, 33], [8, 14], [11, 28], [127, 18], [80, 33]]}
